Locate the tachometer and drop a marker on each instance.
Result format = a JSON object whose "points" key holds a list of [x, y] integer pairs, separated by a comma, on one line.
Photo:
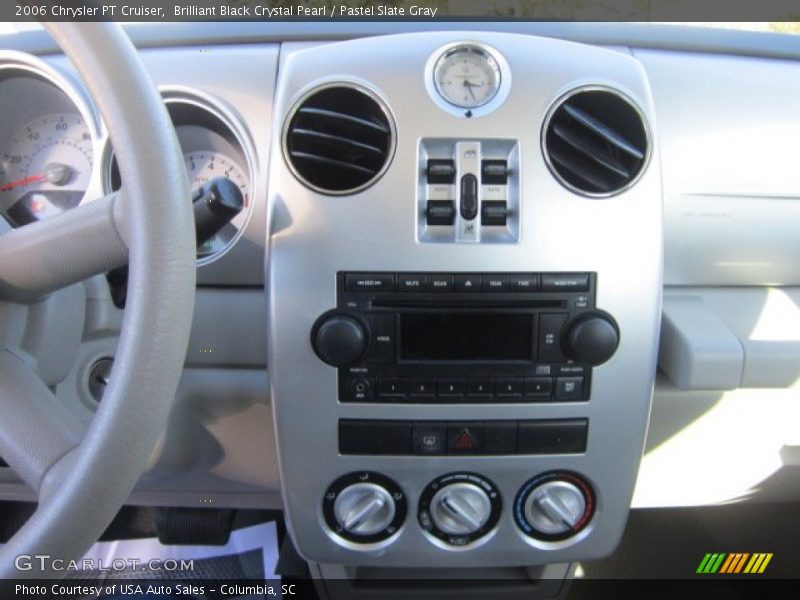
{"points": [[204, 165], [45, 167]]}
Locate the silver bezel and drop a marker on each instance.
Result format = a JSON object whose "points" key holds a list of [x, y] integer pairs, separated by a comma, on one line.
{"points": [[218, 109], [498, 64], [359, 87], [595, 88]]}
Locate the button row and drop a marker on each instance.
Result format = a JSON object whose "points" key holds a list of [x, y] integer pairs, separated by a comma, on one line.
{"points": [[467, 282], [462, 438], [443, 171], [431, 390]]}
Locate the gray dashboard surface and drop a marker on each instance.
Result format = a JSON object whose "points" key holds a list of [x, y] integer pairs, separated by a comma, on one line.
{"points": [[641, 35]]}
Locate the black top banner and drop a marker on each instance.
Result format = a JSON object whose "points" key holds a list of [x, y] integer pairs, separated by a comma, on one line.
{"points": [[406, 10]]}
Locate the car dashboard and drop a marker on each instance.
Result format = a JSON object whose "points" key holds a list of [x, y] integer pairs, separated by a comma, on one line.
{"points": [[489, 289]]}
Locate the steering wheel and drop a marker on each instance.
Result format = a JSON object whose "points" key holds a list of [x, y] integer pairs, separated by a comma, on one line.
{"points": [[83, 475]]}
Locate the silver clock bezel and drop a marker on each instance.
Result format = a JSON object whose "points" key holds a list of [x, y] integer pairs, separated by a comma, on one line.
{"points": [[493, 59]]}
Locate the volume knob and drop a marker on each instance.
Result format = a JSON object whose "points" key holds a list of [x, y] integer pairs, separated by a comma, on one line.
{"points": [[591, 339], [339, 339]]}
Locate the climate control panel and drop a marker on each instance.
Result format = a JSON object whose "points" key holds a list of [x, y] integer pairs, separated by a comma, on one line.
{"points": [[456, 511]]}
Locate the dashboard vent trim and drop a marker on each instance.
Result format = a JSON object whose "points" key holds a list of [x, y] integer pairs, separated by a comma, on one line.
{"points": [[339, 139], [596, 141]]}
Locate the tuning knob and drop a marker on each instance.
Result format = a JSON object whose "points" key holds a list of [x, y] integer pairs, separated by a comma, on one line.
{"points": [[339, 339], [364, 507], [554, 506], [459, 508], [591, 339]]}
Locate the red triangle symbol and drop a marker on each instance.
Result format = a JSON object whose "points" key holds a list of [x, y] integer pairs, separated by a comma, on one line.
{"points": [[465, 441]]}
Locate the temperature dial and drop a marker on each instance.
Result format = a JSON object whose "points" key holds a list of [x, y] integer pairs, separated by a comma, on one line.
{"points": [[365, 507], [459, 508], [554, 506]]}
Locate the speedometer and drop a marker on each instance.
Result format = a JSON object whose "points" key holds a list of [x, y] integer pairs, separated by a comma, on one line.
{"points": [[203, 166], [45, 167]]}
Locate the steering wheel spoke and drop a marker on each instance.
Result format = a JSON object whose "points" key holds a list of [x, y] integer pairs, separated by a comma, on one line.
{"points": [[36, 431], [48, 255]]}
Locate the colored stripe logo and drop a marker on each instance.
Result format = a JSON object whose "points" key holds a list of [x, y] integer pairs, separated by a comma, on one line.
{"points": [[734, 563]]}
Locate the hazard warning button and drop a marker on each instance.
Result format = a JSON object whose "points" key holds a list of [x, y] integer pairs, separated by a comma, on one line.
{"points": [[464, 438]]}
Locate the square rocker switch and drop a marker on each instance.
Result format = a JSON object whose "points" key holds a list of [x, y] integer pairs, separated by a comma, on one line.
{"points": [[493, 212], [440, 212], [441, 171]]}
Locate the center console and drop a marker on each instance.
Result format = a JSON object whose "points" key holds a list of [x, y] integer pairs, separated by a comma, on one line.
{"points": [[464, 281]]}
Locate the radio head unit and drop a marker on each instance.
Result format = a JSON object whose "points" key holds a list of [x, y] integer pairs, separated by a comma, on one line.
{"points": [[465, 337]]}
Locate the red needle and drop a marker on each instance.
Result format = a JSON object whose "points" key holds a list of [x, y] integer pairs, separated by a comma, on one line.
{"points": [[24, 181]]}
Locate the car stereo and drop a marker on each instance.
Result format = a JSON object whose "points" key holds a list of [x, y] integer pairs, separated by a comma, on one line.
{"points": [[452, 338]]}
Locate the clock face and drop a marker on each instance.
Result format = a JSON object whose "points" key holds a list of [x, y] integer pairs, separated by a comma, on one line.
{"points": [[467, 76]]}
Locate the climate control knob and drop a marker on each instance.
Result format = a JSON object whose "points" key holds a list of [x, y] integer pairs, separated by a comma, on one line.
{"points": [[554, 506], [459, 508], [339, 339], [364, 508], [591, 339]]}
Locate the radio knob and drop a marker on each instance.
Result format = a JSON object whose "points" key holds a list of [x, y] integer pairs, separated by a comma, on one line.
{"points": [[591, 339], [339, 339]]}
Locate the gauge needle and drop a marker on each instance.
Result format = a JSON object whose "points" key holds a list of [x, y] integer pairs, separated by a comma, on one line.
{"points": [[54, 173], [24, 181]]}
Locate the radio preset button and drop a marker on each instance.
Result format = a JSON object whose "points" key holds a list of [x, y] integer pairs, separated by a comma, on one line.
{"points": [[392, 389], [565, 282], [508, 389], [429, 438], [479, 389], [493, 282], [439, 282], [538, 388], [524, 282], [410, 282], [450, 389], [467, 282], [569, 389], [422, 390]]}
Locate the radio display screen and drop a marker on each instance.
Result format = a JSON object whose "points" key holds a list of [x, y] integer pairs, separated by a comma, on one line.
{"points": [[466, 337]]}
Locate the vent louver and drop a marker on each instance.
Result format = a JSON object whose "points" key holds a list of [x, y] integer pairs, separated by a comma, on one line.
{"points": [[596, 142], [339, 140]]}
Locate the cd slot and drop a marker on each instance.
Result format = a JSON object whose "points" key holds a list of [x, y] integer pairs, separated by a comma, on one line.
{"points": [[465, 303]]}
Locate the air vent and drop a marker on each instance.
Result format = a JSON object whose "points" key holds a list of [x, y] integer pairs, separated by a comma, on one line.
{"points": [[596, 142], [339, 140]]}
